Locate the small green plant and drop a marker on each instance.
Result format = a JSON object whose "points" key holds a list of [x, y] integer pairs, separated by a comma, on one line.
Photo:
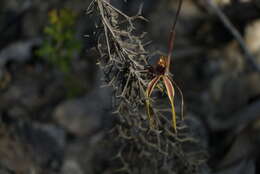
{"points": [[60, 45]]}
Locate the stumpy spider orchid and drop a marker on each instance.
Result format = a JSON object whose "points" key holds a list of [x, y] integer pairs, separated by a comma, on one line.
{"points": [[162, 74]]}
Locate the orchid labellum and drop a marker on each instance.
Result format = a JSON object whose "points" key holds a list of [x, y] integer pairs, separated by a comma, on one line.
{"points": [[162, 74]]}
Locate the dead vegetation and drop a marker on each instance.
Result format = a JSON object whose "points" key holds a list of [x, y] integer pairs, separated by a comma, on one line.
{"points": [[123, 59]]}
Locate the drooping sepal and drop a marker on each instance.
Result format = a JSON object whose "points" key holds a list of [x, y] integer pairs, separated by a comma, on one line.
{"points": [[170, 93], [149, 90]]}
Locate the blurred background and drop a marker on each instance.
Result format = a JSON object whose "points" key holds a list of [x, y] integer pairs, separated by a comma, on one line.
{"points": [[54, 113]]}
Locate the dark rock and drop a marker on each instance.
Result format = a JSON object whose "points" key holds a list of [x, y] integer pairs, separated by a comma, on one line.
{"points": [[77, 116], [46, 143], [71, 166], [19, 51], [27, 147], [84, 115]]}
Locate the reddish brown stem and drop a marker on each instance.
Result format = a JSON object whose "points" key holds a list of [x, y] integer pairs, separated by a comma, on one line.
{"points": [[172, 38]]}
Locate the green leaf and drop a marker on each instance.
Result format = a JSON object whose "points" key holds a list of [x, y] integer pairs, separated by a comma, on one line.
{"points": [[49, 31]]}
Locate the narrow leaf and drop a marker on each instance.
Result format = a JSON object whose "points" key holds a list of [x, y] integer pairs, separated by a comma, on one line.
{"points": [[170, 93]]}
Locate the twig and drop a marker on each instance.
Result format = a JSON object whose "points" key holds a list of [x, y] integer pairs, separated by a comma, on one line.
{"points": [[105, 28], [248, 55]]}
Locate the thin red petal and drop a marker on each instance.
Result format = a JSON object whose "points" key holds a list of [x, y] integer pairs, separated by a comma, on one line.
{"points": [[151, 85], [169, 87], [170, 93]]}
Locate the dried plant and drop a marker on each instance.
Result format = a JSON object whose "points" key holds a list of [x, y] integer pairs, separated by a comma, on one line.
{"points": [[123, 59]]}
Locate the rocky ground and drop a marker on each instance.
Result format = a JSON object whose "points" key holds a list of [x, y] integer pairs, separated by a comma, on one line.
{"points": [[50, 124]]}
